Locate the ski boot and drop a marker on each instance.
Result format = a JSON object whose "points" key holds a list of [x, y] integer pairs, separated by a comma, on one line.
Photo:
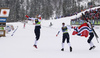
{"points": [[92, 48], [70, 49], [62, 49], [35, 46]]}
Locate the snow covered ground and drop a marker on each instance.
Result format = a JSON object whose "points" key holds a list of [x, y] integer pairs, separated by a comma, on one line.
{"points": [[49, 46]]}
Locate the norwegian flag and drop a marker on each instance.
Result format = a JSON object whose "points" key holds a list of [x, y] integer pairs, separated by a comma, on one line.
{"points": [[82, 30]]}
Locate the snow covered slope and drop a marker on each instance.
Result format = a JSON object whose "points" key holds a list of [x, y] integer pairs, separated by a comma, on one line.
{"points": [[21, 44]]}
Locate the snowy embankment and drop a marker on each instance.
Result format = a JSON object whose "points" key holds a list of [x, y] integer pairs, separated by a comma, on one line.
{"points": [[21, 44]]}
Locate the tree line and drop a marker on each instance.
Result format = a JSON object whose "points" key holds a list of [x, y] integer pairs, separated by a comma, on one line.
{"points": [[20, 8]]}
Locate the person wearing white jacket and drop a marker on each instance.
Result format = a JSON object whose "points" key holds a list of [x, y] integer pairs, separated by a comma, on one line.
{"points": [[64, 29], [37, 28]]}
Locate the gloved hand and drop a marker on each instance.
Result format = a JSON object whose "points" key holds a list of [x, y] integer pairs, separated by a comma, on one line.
{"points": [[27, 16]]}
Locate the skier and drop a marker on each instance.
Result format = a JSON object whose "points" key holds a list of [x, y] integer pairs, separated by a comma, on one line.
{"points": [[91, 32], [37, 28], [64, 29], [50, 24], [91, 36], [25, 21]]}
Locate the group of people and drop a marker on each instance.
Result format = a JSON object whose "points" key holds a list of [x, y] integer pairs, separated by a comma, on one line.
{"points": [[92, 15], [64, 29]]}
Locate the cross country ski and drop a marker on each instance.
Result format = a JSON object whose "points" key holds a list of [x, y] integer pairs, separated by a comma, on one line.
{"points": [[14, 31], [91, 27]]}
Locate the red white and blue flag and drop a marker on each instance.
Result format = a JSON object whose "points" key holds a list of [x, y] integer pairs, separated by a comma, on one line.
{"points": [[82, 30]]}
